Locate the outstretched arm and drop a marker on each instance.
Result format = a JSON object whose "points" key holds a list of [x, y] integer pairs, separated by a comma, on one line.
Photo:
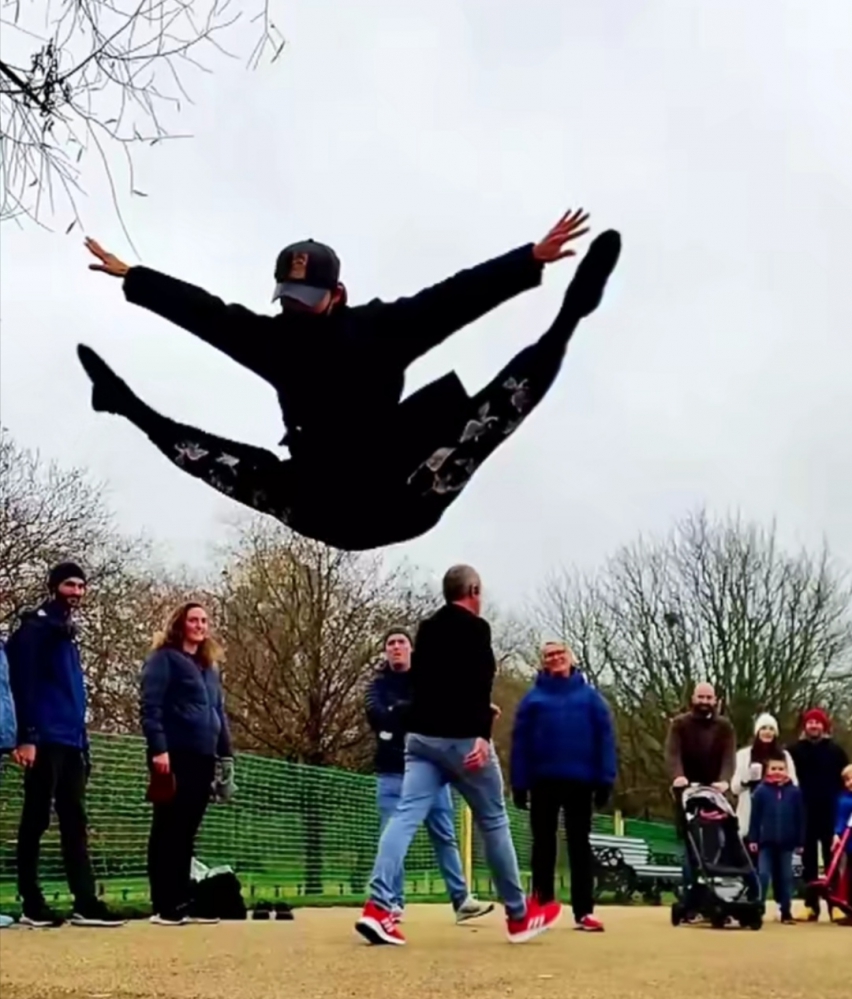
{"points": [[412, 326], [233, 329]]}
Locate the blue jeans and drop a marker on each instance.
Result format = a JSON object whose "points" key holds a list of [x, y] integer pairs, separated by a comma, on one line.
{"points": [[775, 866], [430, 765], [440, 825]]}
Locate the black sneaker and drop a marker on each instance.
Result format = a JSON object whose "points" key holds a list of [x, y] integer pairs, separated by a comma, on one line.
{"points": [[95, 913], [38, 915]]}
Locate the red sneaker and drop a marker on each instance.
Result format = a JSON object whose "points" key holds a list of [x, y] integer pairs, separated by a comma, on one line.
{"points": [[537, 920], [378, 926], [588, 924]]}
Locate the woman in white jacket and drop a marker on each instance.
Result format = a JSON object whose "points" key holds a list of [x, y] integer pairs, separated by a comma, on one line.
{"points": [[748, 772]]}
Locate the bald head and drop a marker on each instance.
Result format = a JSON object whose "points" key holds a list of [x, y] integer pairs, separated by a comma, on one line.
{"points": [[704, 699], [462, 585]]}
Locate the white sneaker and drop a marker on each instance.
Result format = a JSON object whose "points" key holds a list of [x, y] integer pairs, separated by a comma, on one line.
{"points": [[472, 908], [177, 919]]}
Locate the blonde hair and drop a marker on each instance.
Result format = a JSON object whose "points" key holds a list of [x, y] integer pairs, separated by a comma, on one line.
{"points": [[846, 772], [172, 635]]}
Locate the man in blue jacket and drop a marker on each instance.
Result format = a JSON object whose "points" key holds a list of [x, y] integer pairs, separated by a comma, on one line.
{"points": [[563, 760], [388, 702], [53, 746]]}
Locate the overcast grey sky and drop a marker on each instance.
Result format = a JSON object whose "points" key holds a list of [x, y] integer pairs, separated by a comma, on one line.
{"points": [[424, 136]]}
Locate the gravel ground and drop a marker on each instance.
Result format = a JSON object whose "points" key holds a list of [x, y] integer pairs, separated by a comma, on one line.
{"points": [[318, 956]]}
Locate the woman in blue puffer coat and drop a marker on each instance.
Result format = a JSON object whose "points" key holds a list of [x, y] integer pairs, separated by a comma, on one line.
{"points": [[563, 760]]}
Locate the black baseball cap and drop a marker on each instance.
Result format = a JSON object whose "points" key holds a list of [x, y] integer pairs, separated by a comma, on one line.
{"points": [[306, 271]]}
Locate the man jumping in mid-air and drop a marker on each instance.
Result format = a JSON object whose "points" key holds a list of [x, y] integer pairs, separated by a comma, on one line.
{"points": [[339, 373]]}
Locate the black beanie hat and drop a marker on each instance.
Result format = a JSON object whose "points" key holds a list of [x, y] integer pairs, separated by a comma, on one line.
{"points": [[403, 632], [62, 572]]}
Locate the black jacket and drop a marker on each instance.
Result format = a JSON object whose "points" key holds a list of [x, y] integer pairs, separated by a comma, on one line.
{"points": [[452, 673], [388, 701], [341, 375], [182, 706], [818, 768]]}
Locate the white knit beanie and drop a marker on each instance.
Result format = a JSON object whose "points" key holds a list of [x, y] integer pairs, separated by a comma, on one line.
{"points": [[765, 721]]}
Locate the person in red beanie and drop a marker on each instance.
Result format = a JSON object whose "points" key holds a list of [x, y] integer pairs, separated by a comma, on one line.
{"points": [[820, 762]]}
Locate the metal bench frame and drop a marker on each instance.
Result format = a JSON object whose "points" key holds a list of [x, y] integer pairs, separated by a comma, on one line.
{"points": [[625, 866]]}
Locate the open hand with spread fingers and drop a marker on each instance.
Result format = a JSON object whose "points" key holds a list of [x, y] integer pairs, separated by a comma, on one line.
{"points": [[571, 226], [109, 262]]}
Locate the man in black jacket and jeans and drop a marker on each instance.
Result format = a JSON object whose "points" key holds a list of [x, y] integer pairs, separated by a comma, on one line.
{"points": [[449, 742], [388, 703], [53, 746], [339, 373]]}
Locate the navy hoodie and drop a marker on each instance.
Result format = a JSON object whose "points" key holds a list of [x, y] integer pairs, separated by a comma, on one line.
{"points": [[387, 702], [563, 731], [777, 816], [183, 706], [47, 678]]}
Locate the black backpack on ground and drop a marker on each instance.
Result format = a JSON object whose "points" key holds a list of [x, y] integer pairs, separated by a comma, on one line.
{"points": [[219, 896]]}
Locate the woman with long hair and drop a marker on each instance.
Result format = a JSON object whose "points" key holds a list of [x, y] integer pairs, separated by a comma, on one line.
{"points": [[186, 729], [751, 761]]}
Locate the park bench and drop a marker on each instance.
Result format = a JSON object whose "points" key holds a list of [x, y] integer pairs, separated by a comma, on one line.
{"points": [[625, 866]]}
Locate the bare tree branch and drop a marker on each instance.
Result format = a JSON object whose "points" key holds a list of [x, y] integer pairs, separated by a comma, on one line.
{"points": [[80, 76]]}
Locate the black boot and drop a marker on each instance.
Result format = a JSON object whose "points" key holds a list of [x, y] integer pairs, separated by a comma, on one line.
{"points": [[110, 394], [586, 290]]}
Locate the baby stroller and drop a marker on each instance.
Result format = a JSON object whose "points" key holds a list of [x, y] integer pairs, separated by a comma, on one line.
{"points": [[836, 886], [723, 884]]}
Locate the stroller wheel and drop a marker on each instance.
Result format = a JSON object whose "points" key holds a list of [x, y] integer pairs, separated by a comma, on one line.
{"points": [[756, 922], [677, 914], [718, 921]]}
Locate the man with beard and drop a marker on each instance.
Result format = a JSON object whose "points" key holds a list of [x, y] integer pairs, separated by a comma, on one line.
{"points": [[53, 747], [701, 749], [819, 764]]}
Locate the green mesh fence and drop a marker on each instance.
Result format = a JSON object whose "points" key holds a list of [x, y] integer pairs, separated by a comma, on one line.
{"points": [[305, 834]]}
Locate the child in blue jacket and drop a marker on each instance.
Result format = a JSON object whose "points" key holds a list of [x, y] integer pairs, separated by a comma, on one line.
{"points": [[776, 832], [844, 811]]}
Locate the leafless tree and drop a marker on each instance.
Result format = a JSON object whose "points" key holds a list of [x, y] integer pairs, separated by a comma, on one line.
{"points": [[81, 77], [303, 625], [716, 600], [49, 514]]}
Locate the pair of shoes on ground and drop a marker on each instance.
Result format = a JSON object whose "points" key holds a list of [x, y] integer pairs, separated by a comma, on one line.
{"points": [[381, 926], [38, 915]]}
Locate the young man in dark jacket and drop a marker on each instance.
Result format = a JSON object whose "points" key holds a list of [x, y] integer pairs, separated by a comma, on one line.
{"points": [[388, 702], [819, 764], [53, 746], [339, 374], [449, 742], [776, 832], [563, 760]]}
